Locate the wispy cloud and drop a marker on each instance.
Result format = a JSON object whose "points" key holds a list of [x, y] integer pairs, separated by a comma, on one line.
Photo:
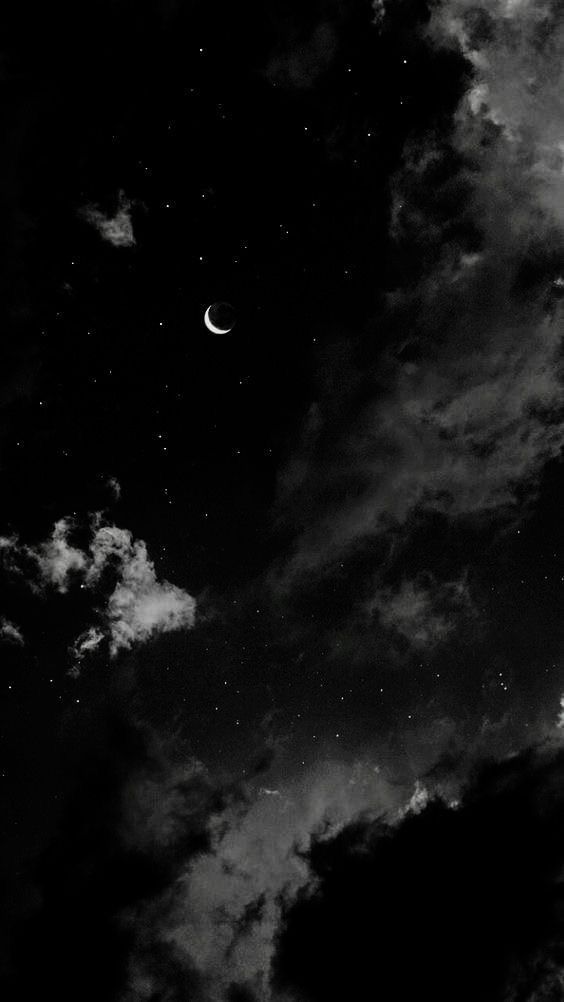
{"points": [[220, 916], [469, 891], [10, 633], [424, 611], [116, 229], [58, 561], [115, 487], [83, 646], [468, 405]]}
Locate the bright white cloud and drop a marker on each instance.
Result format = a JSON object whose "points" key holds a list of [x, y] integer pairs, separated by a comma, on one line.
{"points": [[222, 913], [424, 611], [141, 606], [58, 561]]}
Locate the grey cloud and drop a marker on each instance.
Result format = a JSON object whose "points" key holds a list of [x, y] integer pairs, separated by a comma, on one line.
{"points": [[181, 879], [117, 229], [218, 919], [470, 407], [379, 9], [138, 606], [54, 562], [10, 633], [115, 487], [139, 810], [84, 644], [450, 900]]}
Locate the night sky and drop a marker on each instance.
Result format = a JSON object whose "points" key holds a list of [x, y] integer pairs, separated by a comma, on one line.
{"points": [[281, 637]]}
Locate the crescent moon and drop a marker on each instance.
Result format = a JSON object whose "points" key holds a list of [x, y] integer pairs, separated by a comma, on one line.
{"points": [[211, 326]]}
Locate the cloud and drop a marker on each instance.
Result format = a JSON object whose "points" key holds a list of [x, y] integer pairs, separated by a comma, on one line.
{"points": [[84, 645], [115, 487], [117, 229], [423, 611], [231, 911], [379, 12], [58, 562], [165, 881], [219, 917], [449, 902], [137, 605], [54, 562], [10, 633], [170, 882], [140, 605], [136, 812], [467, 408]]}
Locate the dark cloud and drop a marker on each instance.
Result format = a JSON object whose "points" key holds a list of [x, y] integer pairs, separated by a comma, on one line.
{"points": [[134, 816], [461, 901]]}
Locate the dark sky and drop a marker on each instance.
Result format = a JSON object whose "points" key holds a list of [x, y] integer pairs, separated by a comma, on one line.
{"points": [[261, 583]]}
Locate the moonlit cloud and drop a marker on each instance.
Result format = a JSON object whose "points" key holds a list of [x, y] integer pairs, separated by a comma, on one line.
{"points": [[115, 487], [379, 12], [116, 230], [467, 408], [84, 645], [10, 633], [58, 561], [138, 606]]}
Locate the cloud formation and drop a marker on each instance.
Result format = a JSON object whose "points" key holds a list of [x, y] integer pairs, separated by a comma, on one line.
{"points": [[137, 812], [468, 405], [167, 882], [117, 229], [423, 611], [219, 918], [10, 633], [137, 606], [459, 901], [140, 605]]}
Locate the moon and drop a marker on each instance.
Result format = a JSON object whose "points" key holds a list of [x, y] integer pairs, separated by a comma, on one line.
{"points": [[219, 318]]}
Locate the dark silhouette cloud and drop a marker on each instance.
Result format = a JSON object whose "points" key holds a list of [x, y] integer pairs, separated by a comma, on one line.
{"points": [[461, 901]]}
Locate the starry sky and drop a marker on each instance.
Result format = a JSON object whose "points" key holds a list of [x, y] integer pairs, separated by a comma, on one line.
{"points": [[281, 634]]}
